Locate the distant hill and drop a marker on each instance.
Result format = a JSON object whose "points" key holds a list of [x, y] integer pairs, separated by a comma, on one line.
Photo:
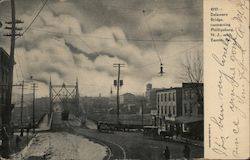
{"points": [[41, 108], [27, 99]]}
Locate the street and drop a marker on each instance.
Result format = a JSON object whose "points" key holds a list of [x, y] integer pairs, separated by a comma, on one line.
{"points": [[132, 145], [69, 140]]}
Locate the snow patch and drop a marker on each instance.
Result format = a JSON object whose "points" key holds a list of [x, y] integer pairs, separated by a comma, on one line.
{"points": [[63, 146]]}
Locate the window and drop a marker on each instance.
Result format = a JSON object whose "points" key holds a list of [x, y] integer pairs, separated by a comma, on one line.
{"points": [[173, 96], [169, 96], [161, 97], [173, 110], [169, 108], [190, 94], [1, 95], [191, 108], [185, 94], [185, 108], [161, 109], [158, 97], [158, 107], [193, 94], [166, 97], [200, 109], [2, 75], [165, 109], [4, 97]]}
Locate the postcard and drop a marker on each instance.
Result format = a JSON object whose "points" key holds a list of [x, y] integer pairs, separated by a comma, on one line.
{"points": [[124, 79]]}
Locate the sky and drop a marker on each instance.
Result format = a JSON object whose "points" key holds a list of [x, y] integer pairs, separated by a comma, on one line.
{"points": [[82, 39]]}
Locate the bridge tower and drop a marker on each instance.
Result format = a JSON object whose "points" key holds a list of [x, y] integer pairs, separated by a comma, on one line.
{"points": [[65, 97]]}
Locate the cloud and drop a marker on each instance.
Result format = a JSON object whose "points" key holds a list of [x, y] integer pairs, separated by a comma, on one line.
{"points": [[1, 1], [64, 47]]}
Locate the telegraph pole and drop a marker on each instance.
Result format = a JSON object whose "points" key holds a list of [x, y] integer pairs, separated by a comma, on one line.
{"points": [[33, 108], [50, 99], [118, 84], [6, 111], [34, 86], [22, 108], [142, 113]]}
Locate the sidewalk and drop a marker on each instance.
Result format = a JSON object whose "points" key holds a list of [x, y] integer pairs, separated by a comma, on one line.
{"points": [[190, 141], [45, 124]]}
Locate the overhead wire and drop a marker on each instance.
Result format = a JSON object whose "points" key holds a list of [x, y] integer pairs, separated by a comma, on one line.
{"points": [[156, 62], [17, 77], [20, 67], [37, 14], [151, 35], [27, 28]]}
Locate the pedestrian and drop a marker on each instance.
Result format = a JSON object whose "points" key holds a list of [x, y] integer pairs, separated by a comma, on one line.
{"points": [[27, 130], [186, 151], [166, 153], [21, 134]]}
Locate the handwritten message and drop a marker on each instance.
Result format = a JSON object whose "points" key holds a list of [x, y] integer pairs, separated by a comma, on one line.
{"points": [[228, 58]]}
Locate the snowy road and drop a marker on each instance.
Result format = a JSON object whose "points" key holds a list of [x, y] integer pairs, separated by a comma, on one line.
{"points": [[115, 151]]}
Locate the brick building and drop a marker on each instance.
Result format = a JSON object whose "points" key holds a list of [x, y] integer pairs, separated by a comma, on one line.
{"points": [[169, 107], [150, 95], [192, 118], [4, 74], [128, 99], [180, 110]]}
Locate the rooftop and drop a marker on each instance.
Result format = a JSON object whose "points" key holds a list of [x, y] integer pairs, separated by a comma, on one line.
{"points": [[168, 89], [187, 85]]}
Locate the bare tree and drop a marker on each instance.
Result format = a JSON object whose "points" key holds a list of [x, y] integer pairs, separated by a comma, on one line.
{"points": [[191, 68], [191, 71]]}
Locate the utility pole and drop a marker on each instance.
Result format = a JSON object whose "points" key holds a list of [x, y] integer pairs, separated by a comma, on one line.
{"points": [[142, 113], [118, 84], [22, 108], [34, 86], [50, 97], [6, 111], [33, 108]]}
